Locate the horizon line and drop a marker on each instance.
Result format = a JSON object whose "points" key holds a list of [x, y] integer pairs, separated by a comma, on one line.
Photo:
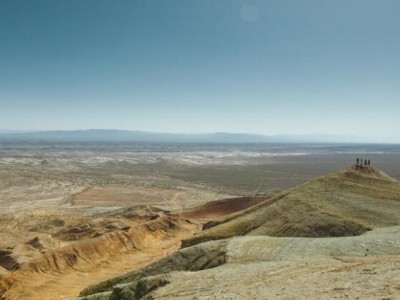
{"points": [[337, 138]]}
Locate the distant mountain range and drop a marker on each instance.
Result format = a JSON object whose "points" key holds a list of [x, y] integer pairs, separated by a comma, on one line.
{"points": [[126, 136]]}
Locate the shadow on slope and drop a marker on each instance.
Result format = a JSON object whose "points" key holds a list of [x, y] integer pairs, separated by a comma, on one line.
{"points": [[214, 209]]}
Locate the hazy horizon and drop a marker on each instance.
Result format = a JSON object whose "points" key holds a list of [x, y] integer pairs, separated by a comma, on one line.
{"points": [[313, 67], [107, 135]]}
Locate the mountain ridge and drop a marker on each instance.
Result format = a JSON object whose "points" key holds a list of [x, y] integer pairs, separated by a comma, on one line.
{"points": [[117, 135]]}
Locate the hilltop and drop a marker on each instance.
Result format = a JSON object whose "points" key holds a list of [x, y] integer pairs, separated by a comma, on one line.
{"points": [[345, 203]]}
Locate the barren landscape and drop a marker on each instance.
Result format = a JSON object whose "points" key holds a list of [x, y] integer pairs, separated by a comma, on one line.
{"points": [[231, 149], [198, 221]]}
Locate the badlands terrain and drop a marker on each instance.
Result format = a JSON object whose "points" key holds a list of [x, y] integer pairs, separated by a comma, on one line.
{"points": [[198, 222]]}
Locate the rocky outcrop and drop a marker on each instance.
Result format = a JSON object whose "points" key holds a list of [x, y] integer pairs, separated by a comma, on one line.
{"points": [[82, 255]]}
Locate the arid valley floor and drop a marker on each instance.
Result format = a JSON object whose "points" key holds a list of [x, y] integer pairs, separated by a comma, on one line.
{"points": [[199, 222]]}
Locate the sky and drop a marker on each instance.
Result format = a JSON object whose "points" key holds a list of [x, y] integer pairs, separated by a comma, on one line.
{"points": [[195, 66]]}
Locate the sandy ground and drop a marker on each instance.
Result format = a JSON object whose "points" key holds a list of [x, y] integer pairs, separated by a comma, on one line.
{"points": [[55, 285], [43, 193], [44, 189], [168, 198]]}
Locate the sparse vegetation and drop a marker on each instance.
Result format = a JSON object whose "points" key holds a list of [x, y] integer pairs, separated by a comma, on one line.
{"points": [[79, 219]]}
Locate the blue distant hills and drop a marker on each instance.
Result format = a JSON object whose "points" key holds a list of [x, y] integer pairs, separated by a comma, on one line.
{"points": [[127, 136]]}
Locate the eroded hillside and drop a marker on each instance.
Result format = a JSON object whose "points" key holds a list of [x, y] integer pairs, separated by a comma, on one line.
{"points": [[259, 267], [346, 203], [334, 237], [90, 250]]}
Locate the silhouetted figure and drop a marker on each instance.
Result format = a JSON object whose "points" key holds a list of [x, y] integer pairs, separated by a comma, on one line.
{"points": [[369, 163], [358, 161], [365, 163]]}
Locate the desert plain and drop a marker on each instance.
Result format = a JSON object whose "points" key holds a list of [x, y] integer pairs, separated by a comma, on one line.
{"points": [[185, 221]]}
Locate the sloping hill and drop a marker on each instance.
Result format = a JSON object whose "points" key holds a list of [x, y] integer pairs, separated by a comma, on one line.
{"points": [[274, 249], [258, 267], [346, 203]]}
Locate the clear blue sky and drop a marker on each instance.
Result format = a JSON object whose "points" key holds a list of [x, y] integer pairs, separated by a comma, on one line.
{"points": [[269, 67]]}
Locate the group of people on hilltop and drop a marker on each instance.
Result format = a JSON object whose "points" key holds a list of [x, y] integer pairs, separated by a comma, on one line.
{"points": [[363, 162]]}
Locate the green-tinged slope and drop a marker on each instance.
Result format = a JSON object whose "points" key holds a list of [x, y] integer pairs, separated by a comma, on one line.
{"points": [[346, 203], [253, 266]]}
